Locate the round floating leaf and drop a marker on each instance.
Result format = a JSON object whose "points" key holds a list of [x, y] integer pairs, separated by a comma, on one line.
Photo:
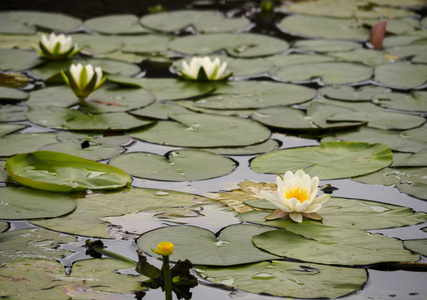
{"points": [[288, 279], [117, 99], [267, 146], [17, 60], [88, 218], [238, 45], [9, 128], [98, 44], [53, 96], [403, 75], [17, 41], [25, 142], [343, 213], [330, 160], [159, 110], [329, 72], [165, 88], [184, 165], [71, 119], [3, 226], [410, 159], [331, 245], [12, 113], [4, 177], [115, 24], [233, 246], [416, 101], [418, 246], [284, 117], [325, 46], [365, 56], [397, 26], [348, 93], [322, 27], [54, 171], [26, 22], [295, 59], [199, 130], [250, 94], [202, 21], [190, 105], [24, 203], [34, 243], [147, 43], [12, 95]]}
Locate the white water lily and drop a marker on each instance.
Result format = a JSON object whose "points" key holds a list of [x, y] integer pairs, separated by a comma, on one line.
{"points": [[203, 69], [83, 80], [296, 196], [56, 46]]}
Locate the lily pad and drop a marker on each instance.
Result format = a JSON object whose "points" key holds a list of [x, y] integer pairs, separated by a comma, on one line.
{"points": [[330, 160], [147, 43], [54, 171], [99, 44], [200, 131], [159, 110], [285, 118], [323, 27], [267, 146], [185, 165], [243, 45], [326, 46], [17, 60], [115, 24], [53, 96], [233, 246], [202, 21], [12, 95], [71, 119], [329, 72], [398, 26], [34, 243], [25, 142], [348, 93], [295, 59], [288, 279], [4, 176], [25, 203], [403, 75], [416, 101], [249, 95], [365, 56], [331, 245], [4, 226], [410, 159], [17, 41], [166, 88], [190, 105], [418, 246], [9, 128], [87, 219], [12, 113]]}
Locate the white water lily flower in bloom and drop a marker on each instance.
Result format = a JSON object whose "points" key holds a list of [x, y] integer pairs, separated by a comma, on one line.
{"points": [[56, 46], [83, 80], [203, 69], [296, 196]]}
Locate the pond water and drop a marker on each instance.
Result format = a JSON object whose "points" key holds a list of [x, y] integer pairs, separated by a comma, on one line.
{"points": [[304, 87]]}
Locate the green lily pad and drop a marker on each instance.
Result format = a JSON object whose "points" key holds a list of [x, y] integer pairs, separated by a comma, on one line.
{"points": [[4, 176], [233, 246], [403, 75], [87, 219], [329, 72], [25, 142], [399, 40], [405, 51], [18, 41], [8, 94], [71, 119], [364, 56], [288, 279], [409, 159], [247, 95], [200, 131], [202, 21], [267, 146], [147, 43], [416, 101], [418, 246], [285, 118], [89, 279], [9, 128], [331, 245], [115, 24], [34, 243], [166, 88], [330, 160], [191, 106], [99, 44], [185, 165], [25, 203], [397, 26], [50, 71], [54, 171], [61, 96], [243, 45], [410, 181], [348, 93], [342, 213], [4, 226], [17, 60], [295, 59], [12, 113], [326, 46], [26, 22], [160, 110], [322, 27], [90, 148]]}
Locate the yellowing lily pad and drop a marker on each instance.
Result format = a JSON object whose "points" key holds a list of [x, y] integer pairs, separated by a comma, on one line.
{"points": [[54, 171]]}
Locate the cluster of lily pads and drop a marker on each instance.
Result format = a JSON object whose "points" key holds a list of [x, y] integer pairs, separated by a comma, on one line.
{"points": [[68, 137]]}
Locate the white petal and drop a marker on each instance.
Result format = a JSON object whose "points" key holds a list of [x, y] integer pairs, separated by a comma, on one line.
{"points": [[75, 71], [221, 70], [89, 72], [98, 72], [297, 217], [314, 183], [302, 206], [313, 208], [275, 200], [313, 194], [322, 199], [292, 203], [289, 176], [45, 42], [299, 174]]}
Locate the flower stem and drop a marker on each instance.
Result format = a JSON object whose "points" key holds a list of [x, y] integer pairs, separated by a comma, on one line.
{"points": [[167, 278], [114, 255]]}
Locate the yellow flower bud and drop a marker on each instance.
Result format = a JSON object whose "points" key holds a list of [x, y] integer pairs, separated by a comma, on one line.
{"points": [[164, 248]]}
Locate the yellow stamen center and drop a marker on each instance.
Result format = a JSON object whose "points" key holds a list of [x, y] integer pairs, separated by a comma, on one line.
{"points": [[300, 195]]}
